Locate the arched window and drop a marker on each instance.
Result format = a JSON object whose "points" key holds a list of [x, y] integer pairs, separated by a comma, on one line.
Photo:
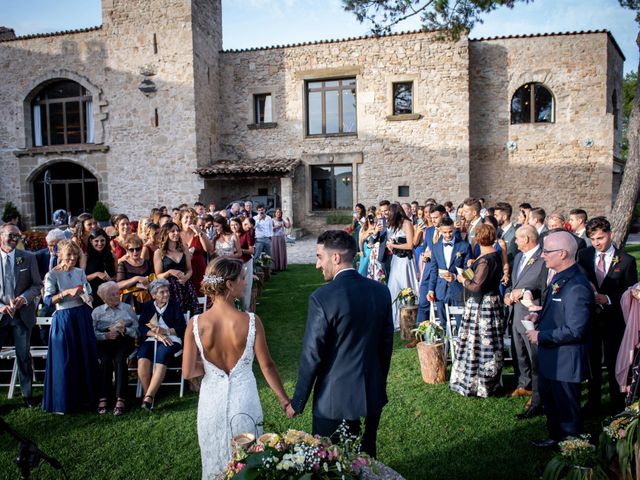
{"points": [[62, 114], [532, 103]]}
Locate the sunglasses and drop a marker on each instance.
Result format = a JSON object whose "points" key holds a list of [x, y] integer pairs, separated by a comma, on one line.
{"points": [[135, 249]]}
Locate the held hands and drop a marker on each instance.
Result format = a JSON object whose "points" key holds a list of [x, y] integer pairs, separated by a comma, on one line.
{"points": [[288, 410]]}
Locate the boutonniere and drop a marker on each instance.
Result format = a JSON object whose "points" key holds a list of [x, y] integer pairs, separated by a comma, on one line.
{"points": [[458, 254], [19, 260], [616, 260], [555, 288], [531, 261]]}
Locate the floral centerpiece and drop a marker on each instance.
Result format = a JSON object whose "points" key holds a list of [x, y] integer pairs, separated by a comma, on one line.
{"points": [[298, 455], [577, 460], [620, 441], [264, 261], [429, 332], [431, 353], [406, 297]]}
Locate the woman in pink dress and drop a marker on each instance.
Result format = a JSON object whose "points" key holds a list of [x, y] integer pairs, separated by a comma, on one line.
{"points": [[279, 244], [195, 239]]}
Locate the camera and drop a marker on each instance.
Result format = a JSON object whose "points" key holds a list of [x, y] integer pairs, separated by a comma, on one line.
{"points": [[371, 218]]}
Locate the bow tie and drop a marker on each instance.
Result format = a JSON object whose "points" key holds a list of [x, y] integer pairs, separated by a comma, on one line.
{"points": [[448, 244]]}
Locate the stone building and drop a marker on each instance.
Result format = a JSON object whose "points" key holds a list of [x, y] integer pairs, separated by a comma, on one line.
{"points": [[147, 110]]}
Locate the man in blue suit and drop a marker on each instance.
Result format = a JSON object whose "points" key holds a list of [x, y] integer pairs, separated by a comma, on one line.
{"points": [[447, 256], [346, 351], [563, 339]]}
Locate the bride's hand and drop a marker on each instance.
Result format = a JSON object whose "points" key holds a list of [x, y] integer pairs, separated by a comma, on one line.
{"points": [[288, 409]]}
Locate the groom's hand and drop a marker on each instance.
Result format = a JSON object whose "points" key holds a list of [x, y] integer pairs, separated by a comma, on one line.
{"points": [[290, 411]]}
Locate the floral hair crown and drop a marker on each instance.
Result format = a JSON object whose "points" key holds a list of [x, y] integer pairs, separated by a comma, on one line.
{"points": [[212, 279]]}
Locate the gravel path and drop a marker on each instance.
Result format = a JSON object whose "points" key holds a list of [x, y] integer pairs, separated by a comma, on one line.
{"points": [[303, 251]]}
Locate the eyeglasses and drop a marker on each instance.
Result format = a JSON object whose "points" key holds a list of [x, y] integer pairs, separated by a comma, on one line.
{"points": [[547, 252], [135, 249], [14, 236]]}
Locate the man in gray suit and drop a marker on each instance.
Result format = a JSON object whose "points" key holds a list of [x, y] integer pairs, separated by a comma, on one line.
{"points": [[20, 283], [528, 282]]}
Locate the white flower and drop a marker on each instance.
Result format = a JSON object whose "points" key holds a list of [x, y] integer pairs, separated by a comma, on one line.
{"points": [[325, 466]]}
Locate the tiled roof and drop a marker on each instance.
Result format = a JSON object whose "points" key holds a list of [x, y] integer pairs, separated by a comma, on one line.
{"points": [[554, 34], [259, 166], [52, 34]]}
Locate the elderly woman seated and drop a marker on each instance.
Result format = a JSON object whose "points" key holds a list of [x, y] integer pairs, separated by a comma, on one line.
{"points": [[161, 327], [116, 327]]}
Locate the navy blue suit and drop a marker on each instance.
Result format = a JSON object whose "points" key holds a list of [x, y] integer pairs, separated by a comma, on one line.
{"points": [[563, 350], [346, 355], [449, 293]]}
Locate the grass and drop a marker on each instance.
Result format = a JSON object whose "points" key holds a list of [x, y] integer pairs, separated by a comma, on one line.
{"points": [[426, 430]]}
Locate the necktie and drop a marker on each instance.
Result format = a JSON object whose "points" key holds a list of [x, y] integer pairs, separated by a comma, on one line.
{"points": [[436, 236], [600, 270], [550, 275], [521, 264], [7, 280]]}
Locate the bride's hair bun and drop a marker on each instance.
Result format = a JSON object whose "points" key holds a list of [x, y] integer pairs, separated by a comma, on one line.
{"points": [[218, 272]]}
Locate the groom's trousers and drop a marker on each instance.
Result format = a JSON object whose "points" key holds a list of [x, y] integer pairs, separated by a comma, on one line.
{"points": [[326, 427]]}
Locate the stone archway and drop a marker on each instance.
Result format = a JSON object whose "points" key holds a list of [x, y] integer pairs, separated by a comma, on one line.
{"points": [[65, 186]]}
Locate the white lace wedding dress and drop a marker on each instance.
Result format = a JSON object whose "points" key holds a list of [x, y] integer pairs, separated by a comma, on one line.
{"points": [[225, 399]]}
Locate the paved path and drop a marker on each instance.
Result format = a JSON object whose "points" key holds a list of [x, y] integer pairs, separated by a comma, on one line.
{"points": [[303, 251]]}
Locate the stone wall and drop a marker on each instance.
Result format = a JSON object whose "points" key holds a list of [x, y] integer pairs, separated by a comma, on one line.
{"points": [[557, 166], [385, 154]]}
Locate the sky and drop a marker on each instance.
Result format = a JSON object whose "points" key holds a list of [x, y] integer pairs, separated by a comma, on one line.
{"points": [[254, 23]]}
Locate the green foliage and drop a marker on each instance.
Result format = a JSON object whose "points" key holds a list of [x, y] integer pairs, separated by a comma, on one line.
{"points": [[429, 332], [629, 85], [633, 5], [339, 218], [10, 212], [454, 17], [100, 212]]}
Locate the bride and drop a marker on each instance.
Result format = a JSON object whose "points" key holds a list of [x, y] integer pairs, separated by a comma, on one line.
{"points": [[221, 344]]}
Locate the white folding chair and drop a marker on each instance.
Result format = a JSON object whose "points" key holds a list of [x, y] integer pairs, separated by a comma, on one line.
{"points": [[450, 311], [203, 301]]}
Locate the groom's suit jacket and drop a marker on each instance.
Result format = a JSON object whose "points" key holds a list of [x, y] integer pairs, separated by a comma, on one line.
{"points": [[346, 351], [27, 284]]}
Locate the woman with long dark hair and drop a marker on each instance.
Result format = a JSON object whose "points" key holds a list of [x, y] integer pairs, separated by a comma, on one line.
{"points": [[246, 241], [85, 223], [98, 264]]}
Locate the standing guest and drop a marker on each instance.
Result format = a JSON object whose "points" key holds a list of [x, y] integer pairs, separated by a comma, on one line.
{"points": [[85, 223], [48, 257], [209, 231], [279, 244], [578, 222], [483, 208], [161, 327], [212, 210], [249, 225], [628, 360], [506, 229], [155, 215], [164, 219], [246, 242], [478, 356], [471, 215], [123, 229], [556, 223], [522, 218], [248, 210], [199, 209], [524, 208], [115, 325], [535, 218], [226, 244], [448, 205], [447, 256], [196, 241], [143, 223], [431, 238], [528, 282], [234, 210], [151, 244], [406, 207], [380, 257], [134, 274], [98, 264], [402, 273], [611, 272], [562, 337], [264, 232], [365, 242], [20, 286], [359, 214], [501, 248], [342, 335], [172, 262], [72, 361]]}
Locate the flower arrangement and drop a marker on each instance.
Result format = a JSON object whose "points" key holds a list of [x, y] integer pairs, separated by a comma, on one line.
{"points": [[406, 296], [264, 261], [298, 455], [577, 460], [620, 438], [429, 332]]}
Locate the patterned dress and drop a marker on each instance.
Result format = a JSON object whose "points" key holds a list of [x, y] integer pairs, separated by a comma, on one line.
{"points": [[478, 360]]}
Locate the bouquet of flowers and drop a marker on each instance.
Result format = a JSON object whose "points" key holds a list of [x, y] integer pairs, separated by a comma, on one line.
{"points": [[406, 296], [620, 439], [577, 460], [298, 455], [429, 332]]}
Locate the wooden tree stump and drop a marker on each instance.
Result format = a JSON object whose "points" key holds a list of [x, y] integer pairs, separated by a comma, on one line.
{"points": [[267, 274], [408, 317], [254, 297], [432, 362]]}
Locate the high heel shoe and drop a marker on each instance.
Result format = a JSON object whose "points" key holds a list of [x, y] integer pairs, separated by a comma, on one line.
{"points": [[118, 410], [147, 405], [102, 406]]}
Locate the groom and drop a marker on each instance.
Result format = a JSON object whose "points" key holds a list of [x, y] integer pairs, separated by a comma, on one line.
{"points": [[346, 351]]}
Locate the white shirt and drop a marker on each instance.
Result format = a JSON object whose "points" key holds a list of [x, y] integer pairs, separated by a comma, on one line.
{"points": [[448, 252], [264, 227], [539, 229], [608, 258], [527, 256]]}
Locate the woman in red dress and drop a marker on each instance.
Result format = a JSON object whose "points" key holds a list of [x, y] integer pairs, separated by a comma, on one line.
{"points": [[195, 239], [123, 227]]}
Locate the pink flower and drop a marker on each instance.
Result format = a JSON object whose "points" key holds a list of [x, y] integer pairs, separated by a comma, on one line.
{"points": [[239, 466], [621, 433], [258, 448]]}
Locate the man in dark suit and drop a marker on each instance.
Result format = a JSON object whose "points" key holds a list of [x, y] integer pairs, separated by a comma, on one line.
{"points": [[20, 283], [563, 339], [507, 230], [536, 219], [578, 222], [557, 223], [527, 284], [611, 271], [346, 351], [448, 255]]}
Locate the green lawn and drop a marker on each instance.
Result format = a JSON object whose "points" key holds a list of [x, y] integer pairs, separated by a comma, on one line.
{"points": [[635, 251], [426, 431]]}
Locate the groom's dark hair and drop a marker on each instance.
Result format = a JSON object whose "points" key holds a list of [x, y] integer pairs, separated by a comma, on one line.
{"points": [[339, 241]]}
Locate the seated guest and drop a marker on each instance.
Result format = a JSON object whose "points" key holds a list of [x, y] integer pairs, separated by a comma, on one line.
{"points": [[478, 357], [85, 223], [142, 228], [161, 327], [628, 360], [123, 229], [116, 327], [72, 360], [98, 264], [151, 245], [133, 274]]}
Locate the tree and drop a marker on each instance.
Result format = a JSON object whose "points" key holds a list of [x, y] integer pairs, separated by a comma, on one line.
{"points": [[628, 94], [454, 17]]}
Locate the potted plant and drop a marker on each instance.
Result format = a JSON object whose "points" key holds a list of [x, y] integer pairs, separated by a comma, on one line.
{"points": [[430, 348], [577, 460], [101, 214], [408, 312]]}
